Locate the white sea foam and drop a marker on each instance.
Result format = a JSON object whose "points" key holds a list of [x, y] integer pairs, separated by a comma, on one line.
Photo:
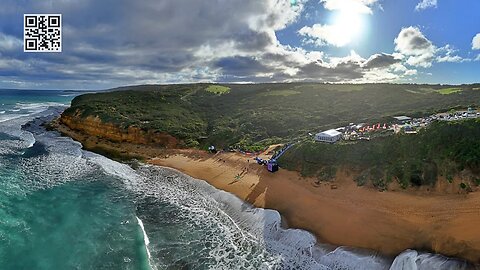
{"points": [[11, 125], [146, 242], [63, 161], [29, 111], [36, 107], [243, 225], [145, 237], [7, 117], [414, 260], [241, 228], [241, 236]]}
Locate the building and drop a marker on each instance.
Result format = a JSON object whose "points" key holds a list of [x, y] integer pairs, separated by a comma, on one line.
{"points": [[402, 119], [329, 136]]}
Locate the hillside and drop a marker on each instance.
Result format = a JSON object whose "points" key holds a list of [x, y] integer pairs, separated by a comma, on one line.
{"points": [[255, 115], [444, 149]]}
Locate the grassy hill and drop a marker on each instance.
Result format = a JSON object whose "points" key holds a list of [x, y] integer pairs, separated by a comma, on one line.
{"points": [[443, 149], [254, 115]]}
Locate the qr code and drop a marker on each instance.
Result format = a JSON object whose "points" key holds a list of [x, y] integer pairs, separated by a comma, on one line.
{"points": [[42, 32]]}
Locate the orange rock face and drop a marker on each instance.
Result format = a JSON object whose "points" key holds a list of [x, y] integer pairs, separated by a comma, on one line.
{"points": [[93, 126]]}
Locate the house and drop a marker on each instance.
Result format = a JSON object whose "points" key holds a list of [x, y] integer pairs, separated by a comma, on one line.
{"points": [[402, 119], [329, 136]]}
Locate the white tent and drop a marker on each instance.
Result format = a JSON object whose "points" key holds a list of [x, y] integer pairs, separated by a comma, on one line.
{"points": [[330, 136]]}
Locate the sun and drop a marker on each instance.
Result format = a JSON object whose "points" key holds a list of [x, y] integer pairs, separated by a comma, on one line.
{"points": [[348, 25]]}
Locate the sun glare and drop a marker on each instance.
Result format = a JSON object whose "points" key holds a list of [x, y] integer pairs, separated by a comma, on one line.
{"points": [[348, 25]]}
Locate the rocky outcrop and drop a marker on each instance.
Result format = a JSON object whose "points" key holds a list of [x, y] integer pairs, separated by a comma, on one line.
{"points": [[93, 126]]}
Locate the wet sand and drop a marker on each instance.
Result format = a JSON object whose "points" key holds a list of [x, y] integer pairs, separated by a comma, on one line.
{"points": [[342, 213], [339, 212]]}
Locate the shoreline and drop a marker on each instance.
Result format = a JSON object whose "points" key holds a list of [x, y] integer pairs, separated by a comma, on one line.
{"points": [[338, 213], [342, 216]]}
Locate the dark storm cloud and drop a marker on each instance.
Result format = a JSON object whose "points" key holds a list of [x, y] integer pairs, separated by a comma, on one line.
{"points": [[381, 60], [341, 72], [249, 69], [242, 66], [146, 35], [115, 42]]}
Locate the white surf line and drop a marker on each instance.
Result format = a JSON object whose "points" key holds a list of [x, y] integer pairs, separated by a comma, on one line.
{"points": [[9, 117], [145, 240], [245, 238]]}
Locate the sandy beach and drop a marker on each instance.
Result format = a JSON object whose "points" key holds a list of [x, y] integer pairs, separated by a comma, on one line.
{"points": [[439, 220], [342, 213]]}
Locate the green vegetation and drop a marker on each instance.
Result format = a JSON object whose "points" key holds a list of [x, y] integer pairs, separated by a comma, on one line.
{"points": [[421, 90], [250, 117], [284, 93], [218, 89], [443, 149], [448, 91], [477, 181]]}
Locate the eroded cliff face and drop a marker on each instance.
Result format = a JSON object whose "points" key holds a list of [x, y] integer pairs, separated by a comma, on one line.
{"points": [[93, 126]]}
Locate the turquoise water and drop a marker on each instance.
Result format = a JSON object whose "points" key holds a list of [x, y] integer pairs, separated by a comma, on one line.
{"points": [[65, 208]]}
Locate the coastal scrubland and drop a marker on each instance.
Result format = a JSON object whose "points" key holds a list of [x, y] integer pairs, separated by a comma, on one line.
{"points": [[326, 187], [251, 117], [443, 149]]}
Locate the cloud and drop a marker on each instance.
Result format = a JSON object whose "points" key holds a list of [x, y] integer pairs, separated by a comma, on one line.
{"points": [[179, 41], [447, 54], [8, 43], [424, 4], [476, 42], [346, 26], [325, 35], [294, 64], [381, 60], [451, 59], [357, 6], [411, 72], [147, 40], [419, 50]]}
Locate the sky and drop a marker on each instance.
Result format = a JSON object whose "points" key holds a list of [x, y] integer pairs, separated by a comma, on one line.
{"points": [[110, 43]]}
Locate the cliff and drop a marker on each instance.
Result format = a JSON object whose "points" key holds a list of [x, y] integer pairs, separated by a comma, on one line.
{"points": [[251, 117], [93, 126]]}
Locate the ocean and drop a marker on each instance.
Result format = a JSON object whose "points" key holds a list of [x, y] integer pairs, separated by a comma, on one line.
{"points": [[65, 208]]}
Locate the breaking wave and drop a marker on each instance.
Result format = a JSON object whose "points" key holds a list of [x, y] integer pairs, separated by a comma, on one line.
{"points": [[235, 235], [414, 260]]}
